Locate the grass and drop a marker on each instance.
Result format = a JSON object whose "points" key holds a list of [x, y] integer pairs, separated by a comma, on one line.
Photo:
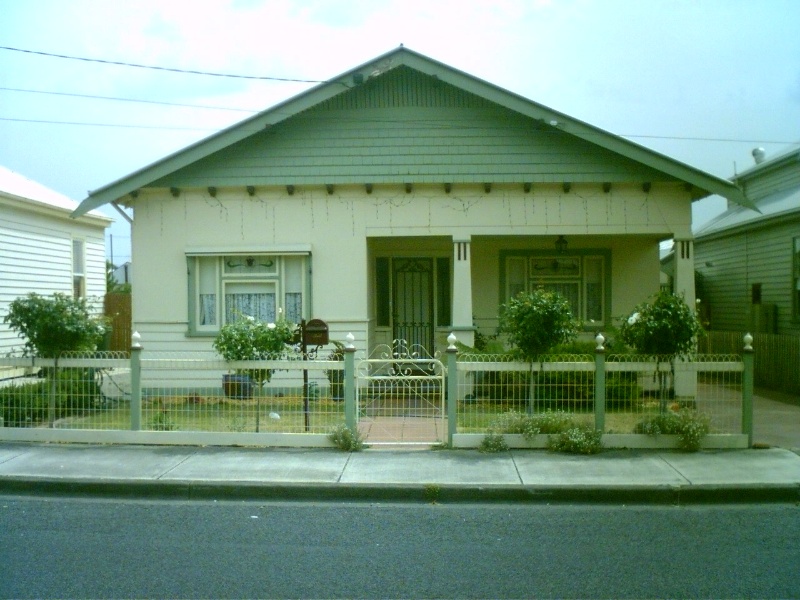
{"points": [[217, 413]]}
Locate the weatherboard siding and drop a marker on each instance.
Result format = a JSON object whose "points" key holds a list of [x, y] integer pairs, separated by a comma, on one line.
{"points": [[373, 135], [730, 264], [36, 257], [770, 182]]}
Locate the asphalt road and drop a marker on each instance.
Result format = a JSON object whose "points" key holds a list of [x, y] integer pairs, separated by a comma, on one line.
{"points": [[70, 548]]}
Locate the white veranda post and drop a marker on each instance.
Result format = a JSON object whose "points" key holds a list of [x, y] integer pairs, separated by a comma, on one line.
{"points": [[685, 382], [462, 291]]}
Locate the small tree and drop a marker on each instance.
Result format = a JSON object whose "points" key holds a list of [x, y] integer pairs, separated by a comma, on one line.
{"points": [[666, 327], [54, 325], [537, 321], [534, 323]]}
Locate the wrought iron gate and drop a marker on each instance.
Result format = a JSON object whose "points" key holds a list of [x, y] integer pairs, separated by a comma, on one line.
{"points": [[400, 396]]}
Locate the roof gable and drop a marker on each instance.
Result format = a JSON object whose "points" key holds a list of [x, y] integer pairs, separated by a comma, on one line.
{"points": [[409, 127], [376, 82]]}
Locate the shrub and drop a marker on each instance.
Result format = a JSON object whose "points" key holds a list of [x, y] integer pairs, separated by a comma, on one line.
{"points": [[689, 425], [667, 326], [581, 439], [54, 325], [250, 339], [493, 442], [535, 322], [346, 439]]}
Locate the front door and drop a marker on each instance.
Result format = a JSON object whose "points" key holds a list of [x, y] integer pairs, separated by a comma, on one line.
{"points": [[413, 302]]}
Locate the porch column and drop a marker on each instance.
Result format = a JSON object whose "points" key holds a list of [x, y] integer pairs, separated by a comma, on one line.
{"points": [[685, 381], [684, 271], [462, 291]]}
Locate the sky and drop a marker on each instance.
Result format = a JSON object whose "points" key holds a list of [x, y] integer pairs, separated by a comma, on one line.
{"points": [[702, 81]]}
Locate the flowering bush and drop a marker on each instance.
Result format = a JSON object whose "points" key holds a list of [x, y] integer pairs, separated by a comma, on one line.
{"points": [[54, 325], [535, 322], [667, 326], [249, 339], [690, 426]]}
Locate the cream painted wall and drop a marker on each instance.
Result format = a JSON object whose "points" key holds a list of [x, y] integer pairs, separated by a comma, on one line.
{"points": [[337, 228]]}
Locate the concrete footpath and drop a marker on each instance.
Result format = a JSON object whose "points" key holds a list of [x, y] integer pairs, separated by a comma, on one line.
{"points": [[769, 474], [224, 473]]}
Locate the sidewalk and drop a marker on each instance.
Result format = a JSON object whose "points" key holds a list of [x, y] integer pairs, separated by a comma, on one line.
{"points": [[621, 476]]}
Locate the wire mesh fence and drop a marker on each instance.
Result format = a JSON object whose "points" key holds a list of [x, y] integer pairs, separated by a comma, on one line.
{"points": [[178, 393], [636, 388]]}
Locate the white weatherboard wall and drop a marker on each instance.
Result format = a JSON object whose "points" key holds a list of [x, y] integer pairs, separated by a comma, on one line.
{"points": [[36, 235]]}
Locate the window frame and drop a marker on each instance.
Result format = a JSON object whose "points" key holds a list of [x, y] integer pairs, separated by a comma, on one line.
{"points": [[223, 278], [526, 259], [78, 275]]}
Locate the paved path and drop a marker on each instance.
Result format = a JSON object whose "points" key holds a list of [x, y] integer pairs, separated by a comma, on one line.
{"points": [[445, 475]]}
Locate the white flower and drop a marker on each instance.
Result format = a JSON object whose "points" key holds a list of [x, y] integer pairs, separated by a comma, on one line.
{"points": [[633, 318], [249, 318], [271, 325]]}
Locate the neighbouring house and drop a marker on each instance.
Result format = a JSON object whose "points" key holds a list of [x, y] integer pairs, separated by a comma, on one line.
{"points": [[43, 250], [748, 261], [403, 199], [122, 273]]}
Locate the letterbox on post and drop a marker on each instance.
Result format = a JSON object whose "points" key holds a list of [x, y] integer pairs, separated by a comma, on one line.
{"points": [[315, 333]]}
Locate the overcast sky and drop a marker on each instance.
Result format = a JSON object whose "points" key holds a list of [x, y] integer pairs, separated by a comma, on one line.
{"points": [[703, 81]]}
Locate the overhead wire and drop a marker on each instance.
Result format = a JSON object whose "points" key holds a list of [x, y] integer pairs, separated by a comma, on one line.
{"points": [[251, 77], [157, 68]]}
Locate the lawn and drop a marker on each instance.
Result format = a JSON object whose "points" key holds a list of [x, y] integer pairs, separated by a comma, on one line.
{"points": [[218, 413]]}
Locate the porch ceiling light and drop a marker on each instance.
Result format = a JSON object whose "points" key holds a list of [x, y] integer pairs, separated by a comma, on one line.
{"points": [[561, 245]]}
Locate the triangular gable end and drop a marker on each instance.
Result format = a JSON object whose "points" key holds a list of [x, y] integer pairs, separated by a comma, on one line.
{"points": [[304, 108]]}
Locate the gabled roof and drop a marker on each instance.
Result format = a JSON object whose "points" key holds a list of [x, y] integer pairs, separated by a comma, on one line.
{"points": [[20, 189], [703, 183]]}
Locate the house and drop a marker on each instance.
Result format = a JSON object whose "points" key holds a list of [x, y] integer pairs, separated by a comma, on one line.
{"points": [[748, 261], [43, 250], [122, 273], [403, 199]]}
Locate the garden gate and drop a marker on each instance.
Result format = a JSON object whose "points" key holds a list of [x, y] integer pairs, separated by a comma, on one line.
{"points": [[400, 396]]}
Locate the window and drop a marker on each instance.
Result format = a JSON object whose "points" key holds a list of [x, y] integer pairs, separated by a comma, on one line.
{"points": [[796, 279], [579, 279], [78, 269], [266, 287]]}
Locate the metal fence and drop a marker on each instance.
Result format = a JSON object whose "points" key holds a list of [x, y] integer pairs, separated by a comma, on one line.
{"points": [[635, 388], [114, 392], [107, 391]]}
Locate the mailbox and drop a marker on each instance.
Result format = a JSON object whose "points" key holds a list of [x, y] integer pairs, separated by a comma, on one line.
{"points": [[315, 333]]}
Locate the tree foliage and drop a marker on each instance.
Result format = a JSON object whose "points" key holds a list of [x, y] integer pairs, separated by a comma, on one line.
{"points": [[666, 326], [534, 322], [52, 325]]}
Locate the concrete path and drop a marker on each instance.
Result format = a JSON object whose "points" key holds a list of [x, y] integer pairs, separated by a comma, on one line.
{"points": [[392, 475]]}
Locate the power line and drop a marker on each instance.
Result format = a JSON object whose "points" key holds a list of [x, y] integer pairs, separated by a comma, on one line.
{"points": [[85, 124], [420, 123], [155, 68], [118, 99]]}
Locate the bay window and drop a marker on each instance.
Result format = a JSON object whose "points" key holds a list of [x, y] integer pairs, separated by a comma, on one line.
{"points": [[266, 287]]}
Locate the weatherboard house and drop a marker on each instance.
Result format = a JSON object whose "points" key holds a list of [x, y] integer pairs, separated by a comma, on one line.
{"points": [[44, 251], [403, 199]]}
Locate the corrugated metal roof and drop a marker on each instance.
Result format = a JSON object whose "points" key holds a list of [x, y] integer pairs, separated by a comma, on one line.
{"points": [[779, 204]]}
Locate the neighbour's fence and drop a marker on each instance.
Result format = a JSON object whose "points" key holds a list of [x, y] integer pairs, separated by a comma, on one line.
{"points": [[262, 402], [777, 363]]}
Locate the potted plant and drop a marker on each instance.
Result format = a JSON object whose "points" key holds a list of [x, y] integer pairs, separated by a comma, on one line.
{"points": [[250, 339]]}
